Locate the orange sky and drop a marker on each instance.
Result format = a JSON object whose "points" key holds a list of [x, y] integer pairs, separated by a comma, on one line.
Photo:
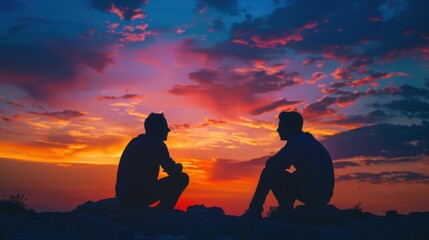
{"points": [[78, 79], [61, 187]]}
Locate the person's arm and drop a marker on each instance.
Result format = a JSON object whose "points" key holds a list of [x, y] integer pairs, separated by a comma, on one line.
{"points": [[167, 163], [283, 159]]}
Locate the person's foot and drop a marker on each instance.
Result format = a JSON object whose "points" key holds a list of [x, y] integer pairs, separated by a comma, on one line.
{"points": [[252, 214], [278, 213]]}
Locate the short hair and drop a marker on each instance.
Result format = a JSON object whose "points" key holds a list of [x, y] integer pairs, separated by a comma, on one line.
{"points": [[154, 121], [293, 119]]}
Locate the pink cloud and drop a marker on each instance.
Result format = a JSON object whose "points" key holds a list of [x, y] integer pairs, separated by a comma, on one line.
{"points": [[240, 41], [310, 25], [142, 27], [135, 37], [374, 76], [207, 122], [230, 94], [317, 76], [342, 73], [124, 97], [275, 42], [117, 11], [138, 14]]}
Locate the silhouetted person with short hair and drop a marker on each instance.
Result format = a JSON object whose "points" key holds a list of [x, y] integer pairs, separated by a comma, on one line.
{"points": [[137, 182], [313, 181]]}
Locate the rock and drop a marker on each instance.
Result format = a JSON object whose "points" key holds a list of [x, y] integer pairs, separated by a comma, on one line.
{"points": [[100, 205], [201, 209], [354, 213], [319, 215], [391, 214], [162, 237]]}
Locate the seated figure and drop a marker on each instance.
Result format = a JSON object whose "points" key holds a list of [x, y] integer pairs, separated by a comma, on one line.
{"points": [[137, 182], [313, 181]]}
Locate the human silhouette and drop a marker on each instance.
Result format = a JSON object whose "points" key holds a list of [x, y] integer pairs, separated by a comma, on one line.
{"points": [[313, 181], [137, 182]]}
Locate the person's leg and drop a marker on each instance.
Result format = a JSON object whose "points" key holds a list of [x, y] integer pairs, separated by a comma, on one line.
{"points": [[285, 190], [170, 188], [270, 179]]}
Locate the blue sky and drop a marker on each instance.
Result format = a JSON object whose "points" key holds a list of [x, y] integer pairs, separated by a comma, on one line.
{"points": [[78, 78]]}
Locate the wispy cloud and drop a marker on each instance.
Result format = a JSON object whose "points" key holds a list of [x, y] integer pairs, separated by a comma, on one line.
{"points": [[123, 97], [65, 114], [392, 177]]}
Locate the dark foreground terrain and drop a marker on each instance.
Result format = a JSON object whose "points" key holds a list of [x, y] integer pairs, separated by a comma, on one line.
{"points": [[106, 220]]}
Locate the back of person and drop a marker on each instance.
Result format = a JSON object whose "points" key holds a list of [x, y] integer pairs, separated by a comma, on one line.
{"points": [[139, 166], [313, 166], [137, 180]]}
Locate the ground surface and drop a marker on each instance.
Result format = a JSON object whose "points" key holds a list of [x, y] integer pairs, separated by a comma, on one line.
{"points": [[106, 221]]}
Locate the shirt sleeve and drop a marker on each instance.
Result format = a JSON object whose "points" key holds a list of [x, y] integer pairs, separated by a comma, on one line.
{"points": [[166, 162], [284, 158]]}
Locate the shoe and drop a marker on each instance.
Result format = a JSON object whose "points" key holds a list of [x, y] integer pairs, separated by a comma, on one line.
{"points": [[277, 213], [251, 214]]}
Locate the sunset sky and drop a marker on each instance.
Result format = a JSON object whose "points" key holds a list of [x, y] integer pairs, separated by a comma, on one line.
{"points": [[78, 78]]}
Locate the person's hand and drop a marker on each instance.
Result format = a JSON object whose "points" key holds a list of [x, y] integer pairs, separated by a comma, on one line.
{"points": [[179, 167]]}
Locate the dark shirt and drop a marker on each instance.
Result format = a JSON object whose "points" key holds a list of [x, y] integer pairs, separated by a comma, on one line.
{"points": [[311, 160], [138, 168]]}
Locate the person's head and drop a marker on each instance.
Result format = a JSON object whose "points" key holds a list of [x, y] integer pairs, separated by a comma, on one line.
{"points": [[156, 126], [290, 123]]}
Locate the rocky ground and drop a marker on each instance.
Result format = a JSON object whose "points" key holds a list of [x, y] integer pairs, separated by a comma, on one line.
{"points": [[107, 220]]}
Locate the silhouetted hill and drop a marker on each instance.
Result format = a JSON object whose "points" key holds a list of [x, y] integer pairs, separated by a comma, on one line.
{"points": [[107, 220]]}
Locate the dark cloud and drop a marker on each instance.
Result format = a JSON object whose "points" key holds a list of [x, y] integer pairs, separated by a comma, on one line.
{"points": [[12, 119], [409, 91], [45, 64], [229, 93], [376, 116], [124, 97], [411, 108], [14, 104], [380, 140], [65, 114], [354, 32], [224, 6], [344, 164], [273, 106], [11, 6], [427, 82], [127, 10], [320, 108], [226, 170], [26, 23], [371, 162], [217, 25], [386, 177], [226, 49]]}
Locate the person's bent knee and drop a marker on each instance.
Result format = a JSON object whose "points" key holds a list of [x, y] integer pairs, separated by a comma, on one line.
{"points": [[182, 179], [185, 179]]}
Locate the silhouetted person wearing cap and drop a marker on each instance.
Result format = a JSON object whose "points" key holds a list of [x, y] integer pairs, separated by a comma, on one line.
{"points": [[137, 182], [313, 181]]}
